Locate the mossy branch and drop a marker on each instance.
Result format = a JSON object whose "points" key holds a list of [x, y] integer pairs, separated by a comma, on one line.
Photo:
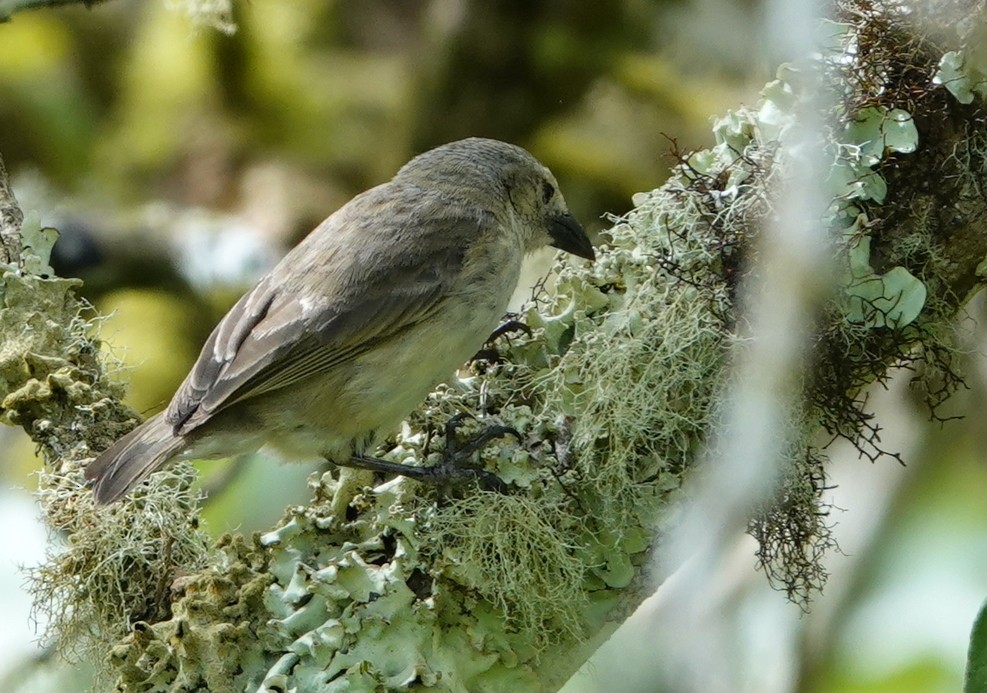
{"points": [[384, 585]]}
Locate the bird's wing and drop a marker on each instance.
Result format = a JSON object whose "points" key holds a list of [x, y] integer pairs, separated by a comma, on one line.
{"points": [[282, 332]]}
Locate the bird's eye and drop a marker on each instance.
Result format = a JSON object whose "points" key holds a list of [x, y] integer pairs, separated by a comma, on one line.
{"points": [[547, 191]]}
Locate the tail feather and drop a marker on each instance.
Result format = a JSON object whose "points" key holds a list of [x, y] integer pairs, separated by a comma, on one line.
{"points": [[132, 458]]}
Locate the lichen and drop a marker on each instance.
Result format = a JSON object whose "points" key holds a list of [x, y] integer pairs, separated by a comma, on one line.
{"points": [[964, 74], [117, 565], [213, 14]]}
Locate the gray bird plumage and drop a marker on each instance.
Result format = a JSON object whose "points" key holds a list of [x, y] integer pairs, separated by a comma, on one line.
{"points": [[349, 332]]}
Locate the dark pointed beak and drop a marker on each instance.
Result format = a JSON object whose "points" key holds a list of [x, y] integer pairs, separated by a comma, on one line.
{"points": [[568, 235]]}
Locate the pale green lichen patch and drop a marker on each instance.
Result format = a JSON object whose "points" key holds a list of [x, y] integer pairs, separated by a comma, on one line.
{"points": [[37, 242], [39, 324], [964, 74], [867, 139], [211, 635], [344, 604], [893, 299], [877, 131]]}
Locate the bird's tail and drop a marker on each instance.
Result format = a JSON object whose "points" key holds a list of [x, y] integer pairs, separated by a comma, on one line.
{"points": [[132, 458]]}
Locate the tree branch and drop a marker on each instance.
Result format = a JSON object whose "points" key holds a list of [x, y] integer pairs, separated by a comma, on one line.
{"points": [[8, 8]]}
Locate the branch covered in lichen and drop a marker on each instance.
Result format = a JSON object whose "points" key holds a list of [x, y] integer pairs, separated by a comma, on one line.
{"points": [[53, 384], [389, 585]]}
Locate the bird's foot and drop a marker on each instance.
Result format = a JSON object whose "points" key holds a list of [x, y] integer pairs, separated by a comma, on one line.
{"points": [[456, 466], [510, 325]]}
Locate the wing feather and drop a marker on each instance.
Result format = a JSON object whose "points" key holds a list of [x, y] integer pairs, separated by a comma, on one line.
{"points": [[367, 284]]}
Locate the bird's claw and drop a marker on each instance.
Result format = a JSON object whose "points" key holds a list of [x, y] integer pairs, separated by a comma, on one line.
{"points": [[456, 465], [489, 352], [507, 327]]}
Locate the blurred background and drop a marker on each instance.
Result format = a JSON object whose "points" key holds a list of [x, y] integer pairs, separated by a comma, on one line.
{"points": [[179, 163]]}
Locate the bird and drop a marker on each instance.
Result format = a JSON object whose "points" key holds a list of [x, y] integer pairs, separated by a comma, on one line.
{"points": [[382, 301]]}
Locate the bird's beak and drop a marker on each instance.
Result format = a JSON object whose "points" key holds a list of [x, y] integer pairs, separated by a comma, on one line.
{"points": [[569, 236]]}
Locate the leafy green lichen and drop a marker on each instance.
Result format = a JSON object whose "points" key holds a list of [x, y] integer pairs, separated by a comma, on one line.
{"points": [[964, 74]]}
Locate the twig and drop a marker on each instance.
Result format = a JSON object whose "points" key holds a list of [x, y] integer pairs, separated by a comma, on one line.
{"points": [[9, 7]]}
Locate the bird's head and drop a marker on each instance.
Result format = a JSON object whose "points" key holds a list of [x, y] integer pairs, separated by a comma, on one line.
{"points": [[496, 170], [535, 195]]}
